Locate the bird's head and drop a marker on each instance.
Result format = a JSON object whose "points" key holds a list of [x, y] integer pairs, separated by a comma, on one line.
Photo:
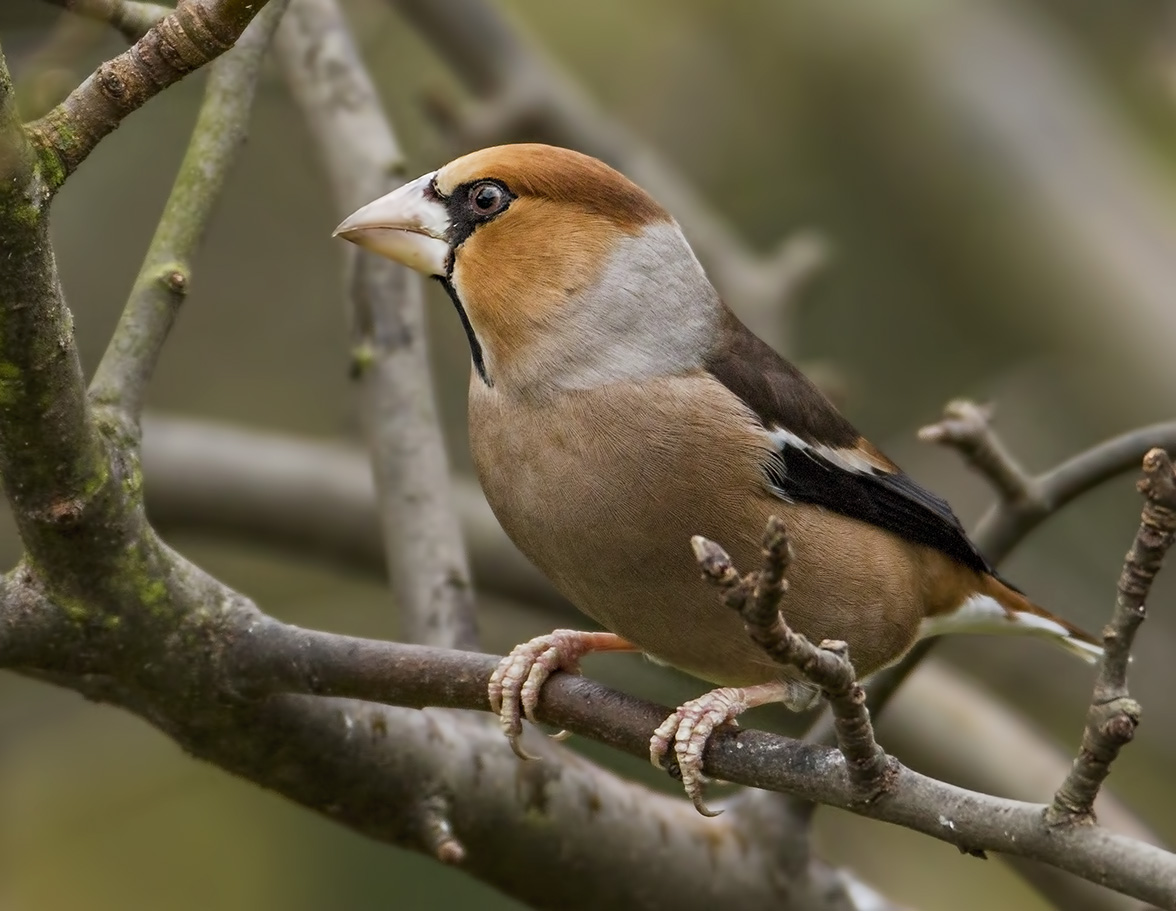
{"points": [[565, 273]]}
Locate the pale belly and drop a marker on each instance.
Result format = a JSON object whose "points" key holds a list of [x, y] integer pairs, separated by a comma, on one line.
{"points": [[603, 491]]}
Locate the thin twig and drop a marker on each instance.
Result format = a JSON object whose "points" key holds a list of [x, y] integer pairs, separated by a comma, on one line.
{"points": [[521, 87], [967, 428], [121, 380], [1113, 714], [132, 18], [422, 537], [183, 41], [953, 728], [757, 596], [1007, 523]]}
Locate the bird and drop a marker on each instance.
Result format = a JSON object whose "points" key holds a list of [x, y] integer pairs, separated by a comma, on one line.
{"points": [[618, 408]]}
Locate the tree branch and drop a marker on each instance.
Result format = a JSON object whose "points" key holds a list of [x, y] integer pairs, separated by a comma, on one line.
{"points": [[422, 540], [308, 498], [1007, 523], [967, 428], [407, 675], [120, 382], [326, 756], [132, 18], [1113, 714], [951, 728], [52, 462], [197, 32], [381, 771], [1004, 525], [278, 656], [525, 92], [757, 597]]}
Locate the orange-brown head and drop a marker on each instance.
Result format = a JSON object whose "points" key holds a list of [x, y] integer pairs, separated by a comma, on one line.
{"points": [[565, 273]]}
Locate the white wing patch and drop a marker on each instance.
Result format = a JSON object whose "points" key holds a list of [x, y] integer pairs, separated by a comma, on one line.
{"points": [[983, 614], [847, 459]]}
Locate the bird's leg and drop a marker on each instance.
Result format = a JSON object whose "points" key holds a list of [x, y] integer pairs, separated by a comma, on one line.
{"points": [[516, 682], [691, 726]]}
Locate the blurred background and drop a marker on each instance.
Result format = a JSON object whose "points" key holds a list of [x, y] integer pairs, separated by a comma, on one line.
{"points": [[995, 184]]}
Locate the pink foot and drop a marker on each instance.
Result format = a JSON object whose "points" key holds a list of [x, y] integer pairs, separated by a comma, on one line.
{"points": [[688, 730], [516, 682]]}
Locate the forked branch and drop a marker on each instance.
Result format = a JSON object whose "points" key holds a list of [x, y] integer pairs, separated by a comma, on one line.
{"points": [[757, 597], [197, 32]]}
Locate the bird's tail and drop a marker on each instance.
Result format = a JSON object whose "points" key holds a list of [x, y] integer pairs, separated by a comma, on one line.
{"points": [[1037, 620], [999, 608]]}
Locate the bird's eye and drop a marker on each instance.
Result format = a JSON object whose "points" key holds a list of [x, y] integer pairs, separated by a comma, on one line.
{"points": [[487, 198]]}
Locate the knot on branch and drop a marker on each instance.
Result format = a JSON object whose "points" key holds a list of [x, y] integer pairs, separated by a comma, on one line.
{"points": [[176, 281], [757, 596], [1158, 486], [437, 830], [111, 83]]}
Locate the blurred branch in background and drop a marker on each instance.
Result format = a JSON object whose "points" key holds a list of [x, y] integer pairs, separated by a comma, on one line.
{"points": [[1078, 166], [1024, 503], [48, 73], [308, 499], [120, 382], [522, 92], [132, 18], [422, 540]]}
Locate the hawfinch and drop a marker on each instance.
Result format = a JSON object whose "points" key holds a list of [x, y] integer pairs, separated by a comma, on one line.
{"points": [[617, 408]]}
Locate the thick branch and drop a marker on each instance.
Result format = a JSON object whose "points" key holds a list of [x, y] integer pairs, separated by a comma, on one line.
{"points": [[392, 673], [196, 33], [166, 274], [388, 772], [1113, 714], [132, 18], [52, 463], [423, 547]]}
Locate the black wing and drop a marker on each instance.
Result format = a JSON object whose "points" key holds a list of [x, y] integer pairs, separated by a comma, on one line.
{"points": [[889, 500]]}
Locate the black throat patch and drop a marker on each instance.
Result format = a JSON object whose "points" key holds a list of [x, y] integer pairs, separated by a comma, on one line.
{"points": [[475, 345]]}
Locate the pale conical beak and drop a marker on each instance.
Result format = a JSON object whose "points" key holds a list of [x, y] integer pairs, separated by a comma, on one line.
{"points": [[409, 225]]}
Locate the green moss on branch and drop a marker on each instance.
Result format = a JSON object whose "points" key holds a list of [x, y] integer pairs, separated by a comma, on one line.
{"points": [[194, 34]]}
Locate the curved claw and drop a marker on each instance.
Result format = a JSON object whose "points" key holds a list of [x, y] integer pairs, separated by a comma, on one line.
{"points": [[518, 749], [689, 729], [517, 682]]}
